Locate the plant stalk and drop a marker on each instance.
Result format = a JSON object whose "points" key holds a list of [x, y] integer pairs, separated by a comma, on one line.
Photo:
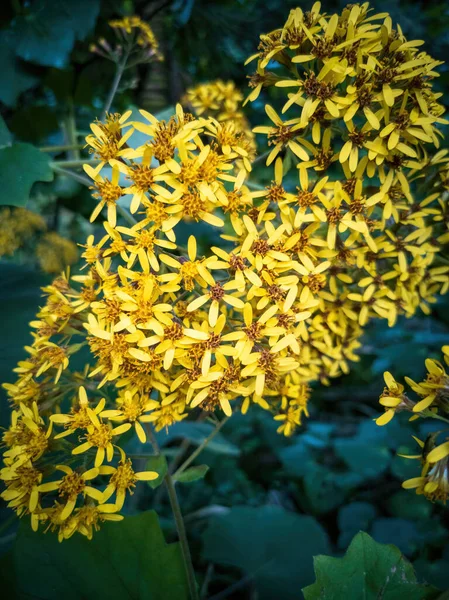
{"points": [[179, 521], [200, 448], [115, 83], [61, 148], [84, 180], [75, 163]]}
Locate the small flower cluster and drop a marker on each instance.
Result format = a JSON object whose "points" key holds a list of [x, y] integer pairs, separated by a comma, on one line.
{"points": [[223, 101], [433, 394], [21, 229], [134, 37]]}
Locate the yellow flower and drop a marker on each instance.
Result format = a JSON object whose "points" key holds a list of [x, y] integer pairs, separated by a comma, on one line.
{"points": [[123, 479], [70, 486], [132, 408], [99, 435], [108, 193], [107, 142], [392, 398]]}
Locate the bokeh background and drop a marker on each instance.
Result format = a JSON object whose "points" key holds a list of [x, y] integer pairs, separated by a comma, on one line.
{"points": [[340, 474]]}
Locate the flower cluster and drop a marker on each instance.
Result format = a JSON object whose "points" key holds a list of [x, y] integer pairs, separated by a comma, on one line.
{"points": [[169, 329], [134, 37], [433, 394], [223, 101], [21, 229], [280, 302], [367, 208]]}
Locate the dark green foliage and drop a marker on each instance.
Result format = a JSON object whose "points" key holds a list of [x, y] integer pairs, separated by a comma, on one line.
{"points": [[272, 545], [21, 165], [127, 560], [368, 570]]}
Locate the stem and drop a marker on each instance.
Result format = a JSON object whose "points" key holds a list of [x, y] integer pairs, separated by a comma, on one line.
{"points": [[62, 148], [126, 215], [116, 82], [200, 448], [180, 527], [254, 186], [88, 183], [433, 415], [74, 153], [75, 163], [261, 158], [76, 176]]}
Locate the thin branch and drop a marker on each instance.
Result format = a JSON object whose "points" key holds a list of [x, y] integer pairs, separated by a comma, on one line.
{"points": [[156, 10], [261, 158], [75, 163], [247, 580], [62, 148], [254, 186], [84, 180], [200, 448], [180, 527], [126, 215], [115, 83]]}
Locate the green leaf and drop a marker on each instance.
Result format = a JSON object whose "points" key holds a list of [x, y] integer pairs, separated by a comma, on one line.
{"points": [[47, 32], [124, 561], [368, 570], [269, 543], [192, 474], [5, 136], [21, 165], [158, 464], [15, 78]]}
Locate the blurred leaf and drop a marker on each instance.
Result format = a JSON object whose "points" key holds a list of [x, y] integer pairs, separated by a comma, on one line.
{"points": [[325, 490], [7, 576], [401, 532], [352, 518], [366, 460], [192, 474], [60, 81], [34, 123], [47, 32], [366, 453], [296, 459], [158, 464], [15, 78], [5, 136], [408, 505], [66, 187], [368, 570], [183, 10], [20, 296], [126, 560], [272, 545], [436, 571], [21, 165]]}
